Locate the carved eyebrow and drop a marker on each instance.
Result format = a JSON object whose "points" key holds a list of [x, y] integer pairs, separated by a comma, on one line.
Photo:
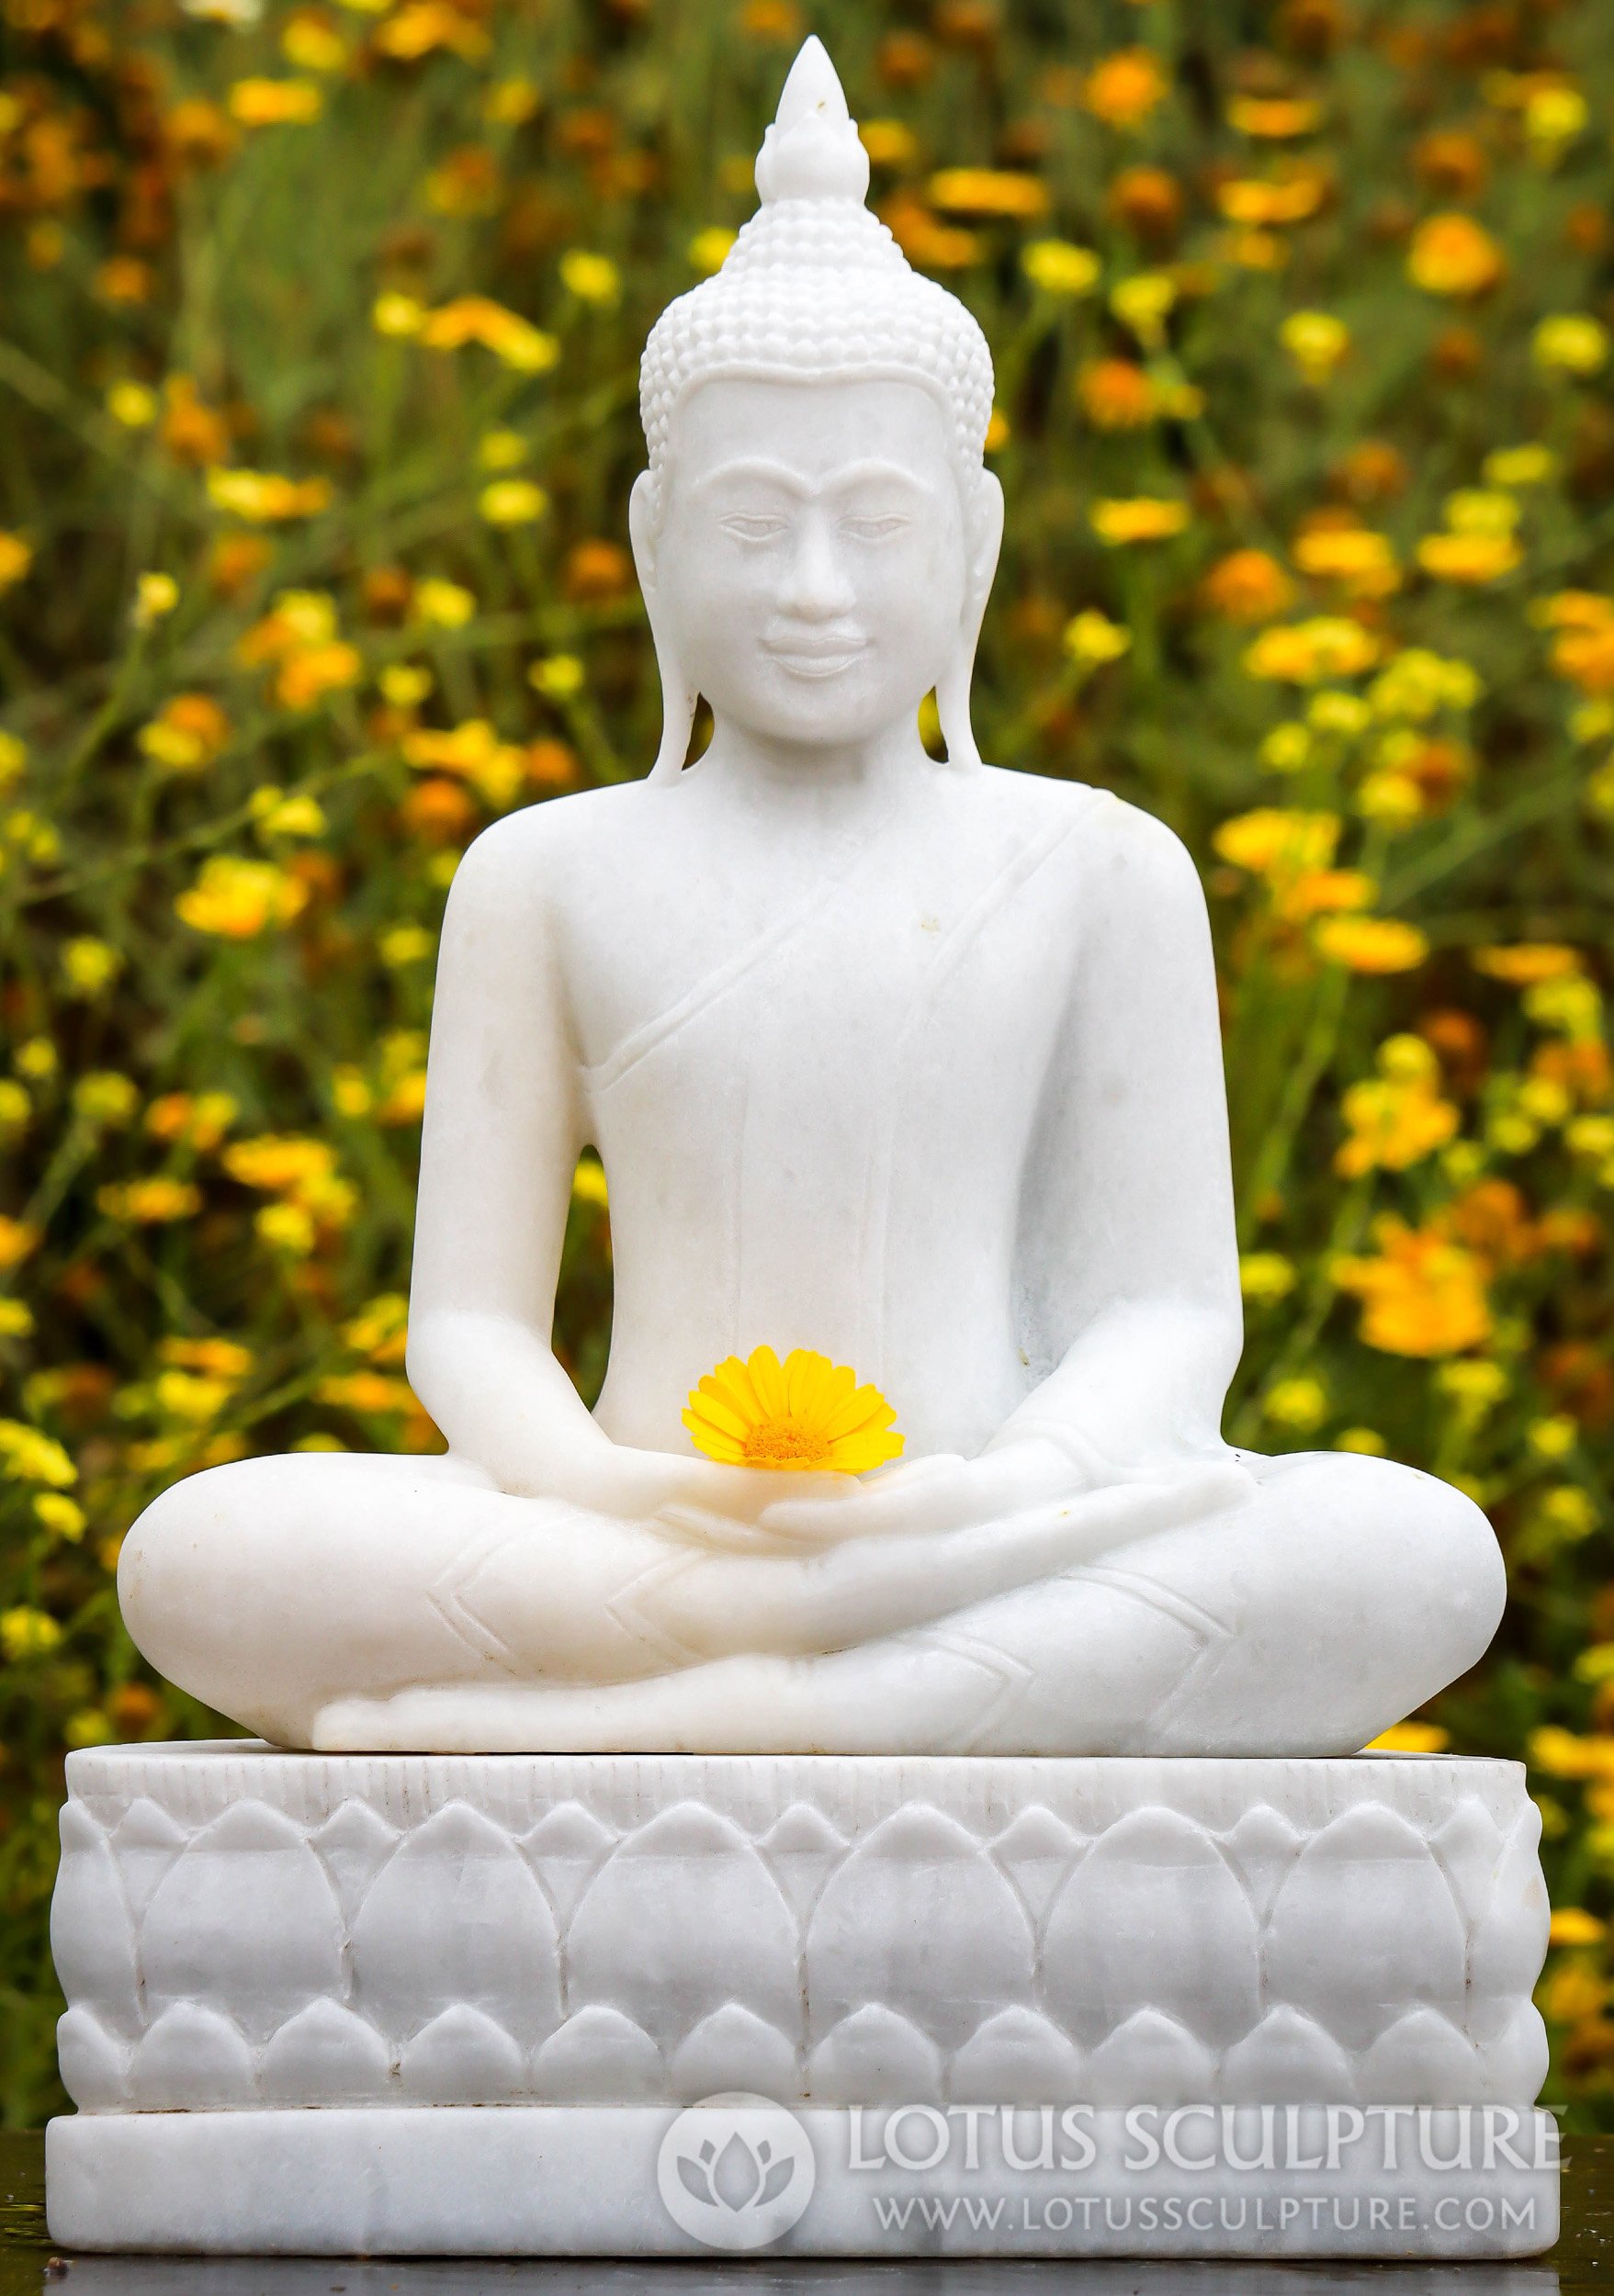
{"points": [[842, 481]]}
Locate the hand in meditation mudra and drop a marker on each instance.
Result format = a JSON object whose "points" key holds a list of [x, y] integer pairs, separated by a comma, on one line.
{"points": [[914, 1065]]}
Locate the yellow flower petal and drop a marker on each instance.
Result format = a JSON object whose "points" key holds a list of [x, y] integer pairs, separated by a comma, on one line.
{"points": [[805, 1414]]}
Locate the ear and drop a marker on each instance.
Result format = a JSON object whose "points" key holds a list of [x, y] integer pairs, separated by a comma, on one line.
{"points": [[678, 697], [985, 540], [640, 532]]}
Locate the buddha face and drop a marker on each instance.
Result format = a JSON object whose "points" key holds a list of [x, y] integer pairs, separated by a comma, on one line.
{"points": [[815, 574]]}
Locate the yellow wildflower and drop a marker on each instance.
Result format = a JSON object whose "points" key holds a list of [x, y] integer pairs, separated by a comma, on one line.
{"points": [[1574, 343], [557, 677], [1417, 683], [26, 1633], [1300, 1405], [1277, 841], [804, 1414], [513, 502], [102, 1097], [200, 1120], [448, 604], [1123, 89], [18, 1240], [60, 1513], [1393, 1124], [988, 192], [1265, 1278], [27, 1456], [1143, 303], [1564, 1754], [278, 816], [592, 278], [420, 26], [154, 595], [1572, 1925], [1059, 268], [263, 498], [132, 405], [477, 319], [708, 250], [380, 1330], [1360, 561], [1316, 341], [1274, 119], [889, 142], [288, 1228], [1524, 963], [1452, 254], [17, 1319], [1257, 203], [1530, 466], [310, 672], [16, 557], [1366, 1441], [1410, 1737], [236, 899], [1091, 639], [154, 1203], [1372, 944], [1138, 518], [1421, 1294], [397, 314], [279, 1162], [1306, 653], [1468, 557], [273, 102], [370, 1393]]}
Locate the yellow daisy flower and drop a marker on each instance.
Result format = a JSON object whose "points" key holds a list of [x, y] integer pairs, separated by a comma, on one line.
{"points": [[806, 1413]]}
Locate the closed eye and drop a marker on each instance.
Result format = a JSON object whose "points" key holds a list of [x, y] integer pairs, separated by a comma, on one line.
{"points": [[753, 529], [871, 529]]}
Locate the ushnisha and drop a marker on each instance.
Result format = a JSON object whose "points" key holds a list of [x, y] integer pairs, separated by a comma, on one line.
{"points": [[912, 1064]]}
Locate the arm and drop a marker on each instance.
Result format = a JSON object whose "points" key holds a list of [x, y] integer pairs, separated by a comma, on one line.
{"points": [[1132, 1291], [500, 1143]]}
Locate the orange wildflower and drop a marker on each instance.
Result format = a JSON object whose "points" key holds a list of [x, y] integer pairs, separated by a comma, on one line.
{"points": [[1421, 1294], [1248, 586], [1124, 88], [1452, 254], [1116, 394], [989, 192]]}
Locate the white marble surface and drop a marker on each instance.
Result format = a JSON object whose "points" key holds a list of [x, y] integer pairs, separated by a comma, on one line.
{"points": [[237, 1926], [912, 1066], [588, 2180]]}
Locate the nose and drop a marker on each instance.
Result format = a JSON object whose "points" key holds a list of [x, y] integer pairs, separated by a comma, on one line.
{"points": [[815, 588]]}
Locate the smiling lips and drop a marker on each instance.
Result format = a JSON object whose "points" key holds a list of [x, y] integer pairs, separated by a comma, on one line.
{"points": [[825, 656]]}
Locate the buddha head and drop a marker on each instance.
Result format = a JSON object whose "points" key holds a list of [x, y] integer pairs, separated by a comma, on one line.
{"points": [[815, 534]]}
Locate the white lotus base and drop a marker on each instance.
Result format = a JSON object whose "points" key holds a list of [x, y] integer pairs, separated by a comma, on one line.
{"points": [[289, 1974]]}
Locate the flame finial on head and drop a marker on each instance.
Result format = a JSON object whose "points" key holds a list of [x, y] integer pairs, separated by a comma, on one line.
{"points": [[812, 151]]}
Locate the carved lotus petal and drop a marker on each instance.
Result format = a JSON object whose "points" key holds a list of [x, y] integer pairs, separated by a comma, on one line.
{"points": [[353, 1846], [92, 1936], [1152, 1917], [145, 1840], [192, 2057], [1016, 2058], [461, 2058], [325, 2056], [94, 2063], [1289, 2059], [245, 1918], [1509, 1938], [919, 1920], [682, 1918], [454, 1919], [875, 2057], [1422, 2059], [1364, 1925], [1262, 1847], [734, 2050], [1512, 2042], [802, 1850], [1151, 2059], [1469, 1845], [1036, 1852], [599, 2057], [565, 1848]]}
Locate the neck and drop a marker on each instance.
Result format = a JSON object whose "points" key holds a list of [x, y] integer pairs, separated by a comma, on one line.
{"points": [[740, 755]]}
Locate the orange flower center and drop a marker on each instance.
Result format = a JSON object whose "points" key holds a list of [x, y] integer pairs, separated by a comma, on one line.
{"points": [[780, 1443]]}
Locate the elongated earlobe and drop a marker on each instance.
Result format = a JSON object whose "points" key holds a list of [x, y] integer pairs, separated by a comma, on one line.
{"points": [[952, 688], [678, 696]]}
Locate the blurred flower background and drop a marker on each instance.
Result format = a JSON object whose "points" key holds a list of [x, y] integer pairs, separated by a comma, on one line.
{"points": [[319, 327]]}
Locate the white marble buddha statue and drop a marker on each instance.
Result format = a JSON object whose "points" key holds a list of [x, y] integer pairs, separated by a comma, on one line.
{"points": [[912, 1064]]}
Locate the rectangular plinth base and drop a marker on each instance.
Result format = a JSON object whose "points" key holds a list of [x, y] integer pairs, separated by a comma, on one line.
{"points": [[815, 2181]]}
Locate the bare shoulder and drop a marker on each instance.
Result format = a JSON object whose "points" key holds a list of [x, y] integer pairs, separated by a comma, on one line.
{"points": [[527, 854], [1118, 851]]}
